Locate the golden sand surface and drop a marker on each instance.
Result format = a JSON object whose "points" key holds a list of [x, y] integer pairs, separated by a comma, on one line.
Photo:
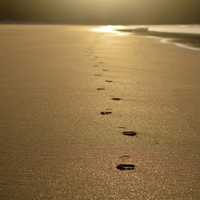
{"points": [[70, 95]]}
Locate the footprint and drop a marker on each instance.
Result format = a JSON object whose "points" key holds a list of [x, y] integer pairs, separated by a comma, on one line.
{"points": [[116, 99], [108, 81], [125, 167], [105, 70], [156, 143], [100, 89], [106, 113], [129, 133], [98, 75]]}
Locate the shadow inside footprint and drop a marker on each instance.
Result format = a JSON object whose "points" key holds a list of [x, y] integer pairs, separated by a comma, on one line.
{"points": [[125, 167], [129, 133], [105, 70], [108, 81], [100, 89], [106, 113], [116, 99]]}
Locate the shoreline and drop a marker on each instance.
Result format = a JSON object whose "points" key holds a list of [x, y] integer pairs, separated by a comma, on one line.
{"points": [[186, 39]]}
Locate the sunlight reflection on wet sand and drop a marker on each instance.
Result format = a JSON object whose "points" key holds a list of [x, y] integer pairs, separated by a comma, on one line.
{"points": [[110, 29]]}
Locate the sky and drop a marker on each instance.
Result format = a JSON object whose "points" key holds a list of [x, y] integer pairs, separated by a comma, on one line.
{"points": [[101, 11]]}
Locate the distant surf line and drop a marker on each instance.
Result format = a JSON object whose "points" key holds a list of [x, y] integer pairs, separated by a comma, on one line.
{"points": [[183, 40]]}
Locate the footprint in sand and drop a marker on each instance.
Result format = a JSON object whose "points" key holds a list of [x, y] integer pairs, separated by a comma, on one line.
{"points": [[129, 133], [101, 63], [95, 58], [98, 75], [106, 113], [108, 81], [100, 89], [125, 167], [116, 99], [105, 70]]}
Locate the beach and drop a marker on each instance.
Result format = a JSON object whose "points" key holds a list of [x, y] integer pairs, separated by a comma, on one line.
{"points": [[56, 141]]}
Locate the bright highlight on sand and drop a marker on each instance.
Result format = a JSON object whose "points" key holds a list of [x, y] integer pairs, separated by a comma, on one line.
{"points": [[105, 29], [110, 29]]}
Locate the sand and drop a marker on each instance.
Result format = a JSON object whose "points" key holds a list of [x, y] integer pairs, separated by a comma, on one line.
{"points": [[56, 144]]}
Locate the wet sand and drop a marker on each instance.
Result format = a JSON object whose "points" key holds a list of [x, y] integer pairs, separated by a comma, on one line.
{"points": [[56, 144]]}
